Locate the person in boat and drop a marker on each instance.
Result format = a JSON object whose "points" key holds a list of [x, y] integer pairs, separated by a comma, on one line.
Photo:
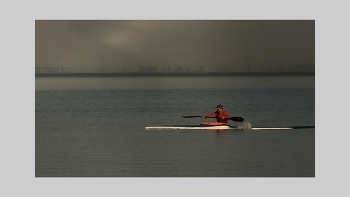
{"points": [[220, 114]]}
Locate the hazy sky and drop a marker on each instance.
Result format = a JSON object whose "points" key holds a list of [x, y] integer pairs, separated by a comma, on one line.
{"points": [[233, 45]]}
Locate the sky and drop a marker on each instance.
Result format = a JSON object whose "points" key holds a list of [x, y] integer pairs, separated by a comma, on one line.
{"points": [[215, 45]]}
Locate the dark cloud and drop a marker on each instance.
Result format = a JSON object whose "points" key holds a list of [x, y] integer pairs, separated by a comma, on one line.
{"points": [[86, 46]]}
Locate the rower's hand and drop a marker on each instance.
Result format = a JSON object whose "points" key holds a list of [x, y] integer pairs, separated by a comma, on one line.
{"points": [[204, 117]]}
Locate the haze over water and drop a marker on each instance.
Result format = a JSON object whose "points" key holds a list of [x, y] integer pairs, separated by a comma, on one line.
{"points": [[174, 45]]}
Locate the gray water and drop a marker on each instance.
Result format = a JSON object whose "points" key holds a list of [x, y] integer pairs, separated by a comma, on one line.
{"points": [[95, 126]]}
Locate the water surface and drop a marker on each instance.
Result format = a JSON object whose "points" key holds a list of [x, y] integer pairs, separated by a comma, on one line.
{"points": [[95, 126]]}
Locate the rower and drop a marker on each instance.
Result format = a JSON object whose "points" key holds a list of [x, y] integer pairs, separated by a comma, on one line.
{"points": [[221, 115]]}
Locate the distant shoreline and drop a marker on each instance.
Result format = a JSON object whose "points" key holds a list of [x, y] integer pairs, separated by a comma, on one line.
{"points": [[174, 74]]}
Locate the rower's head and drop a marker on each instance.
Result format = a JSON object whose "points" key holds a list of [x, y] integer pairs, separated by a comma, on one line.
{"points": [[219, 108]]}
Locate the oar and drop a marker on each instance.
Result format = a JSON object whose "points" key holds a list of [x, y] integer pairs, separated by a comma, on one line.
{"points": [[237, 119], [191, 116], [303, 127]]}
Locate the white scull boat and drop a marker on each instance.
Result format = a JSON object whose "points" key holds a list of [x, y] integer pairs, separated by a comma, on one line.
{"points": [[187, 127], [221, 126], [203, 127]]}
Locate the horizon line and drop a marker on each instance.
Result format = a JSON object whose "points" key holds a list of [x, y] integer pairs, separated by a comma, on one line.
{"points": [[159, 74]]}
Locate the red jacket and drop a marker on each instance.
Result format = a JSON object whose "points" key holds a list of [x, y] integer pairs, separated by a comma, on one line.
{"points": [[219, 116]]}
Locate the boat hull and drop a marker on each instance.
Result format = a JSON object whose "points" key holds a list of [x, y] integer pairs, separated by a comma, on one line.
{"points": [[189, 127], [204, 127], [220, 126]]}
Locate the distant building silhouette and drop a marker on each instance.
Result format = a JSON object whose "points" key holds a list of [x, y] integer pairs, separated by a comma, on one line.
{"points": [[148, 69], [201, 69], [52, 70], [178, 69]]}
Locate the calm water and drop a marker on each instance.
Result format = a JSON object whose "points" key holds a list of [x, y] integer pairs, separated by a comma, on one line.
{"points": [[95, 127]]}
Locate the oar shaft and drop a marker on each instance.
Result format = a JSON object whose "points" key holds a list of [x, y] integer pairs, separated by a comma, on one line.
{"points": [[191, 116]]}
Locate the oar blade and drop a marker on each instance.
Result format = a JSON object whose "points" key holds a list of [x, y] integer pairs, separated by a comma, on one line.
{"points": [[303, 127], [237, 119]]}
